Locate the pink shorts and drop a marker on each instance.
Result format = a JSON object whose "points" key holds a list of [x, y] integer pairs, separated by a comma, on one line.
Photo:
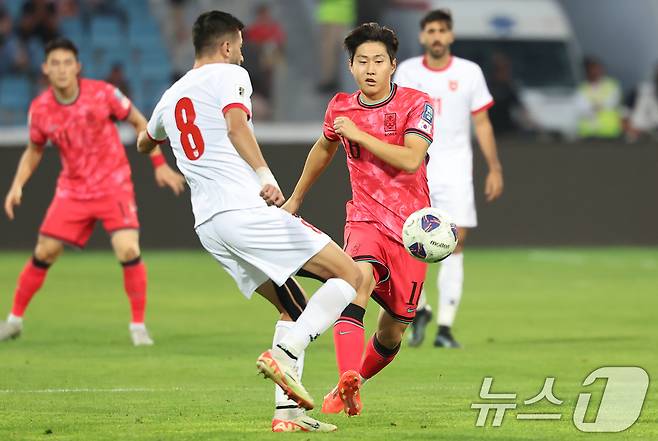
{"points": [[399, 276], [73, 220]]}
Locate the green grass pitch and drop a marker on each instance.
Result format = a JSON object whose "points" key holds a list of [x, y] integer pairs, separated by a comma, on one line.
{"points": [[527, 314]]}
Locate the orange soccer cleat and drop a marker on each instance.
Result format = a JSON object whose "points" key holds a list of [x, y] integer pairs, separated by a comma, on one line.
{"points": [[345, 396], [332, 402]]}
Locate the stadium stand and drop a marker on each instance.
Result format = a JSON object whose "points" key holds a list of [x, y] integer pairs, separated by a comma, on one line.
{"points": [[123, 32]]}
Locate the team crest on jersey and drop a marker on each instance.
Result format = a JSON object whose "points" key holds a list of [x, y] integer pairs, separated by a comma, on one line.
{"points": [[241, 91], [453, 85], [390, 124]]}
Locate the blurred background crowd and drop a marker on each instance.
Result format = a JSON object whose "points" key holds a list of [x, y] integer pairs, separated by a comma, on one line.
{"points": [[557, 69]]}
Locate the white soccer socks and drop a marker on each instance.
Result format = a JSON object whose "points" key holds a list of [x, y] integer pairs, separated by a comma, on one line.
{"points": [[451, 282], [322, 310], [285, 408]]}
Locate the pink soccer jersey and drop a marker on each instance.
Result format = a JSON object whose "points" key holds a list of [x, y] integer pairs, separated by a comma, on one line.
{"points": [[94, 162], [382, 194]]}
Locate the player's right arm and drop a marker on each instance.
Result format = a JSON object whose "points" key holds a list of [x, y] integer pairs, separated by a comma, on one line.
{"points": [[244, 141], [317, 161], [26, 166]]}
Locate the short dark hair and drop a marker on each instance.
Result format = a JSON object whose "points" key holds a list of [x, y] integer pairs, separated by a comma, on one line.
{"points": [[211, 26], [61, 43], [371, 32], [441, 15], [591, 61]]}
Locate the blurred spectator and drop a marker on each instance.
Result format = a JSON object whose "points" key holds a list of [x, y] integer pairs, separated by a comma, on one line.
{"points": [[264, 43], [68, 9], [599, 101], [644, 114], [403, 16], [118, 78], [335, 18], [179, 36], [38, 20], [507, 112], [13, 55]]}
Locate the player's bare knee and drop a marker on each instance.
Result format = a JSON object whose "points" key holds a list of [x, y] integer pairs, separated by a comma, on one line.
{"points": [[128, 252], [355, 278], [48, 250], [389, 338]]}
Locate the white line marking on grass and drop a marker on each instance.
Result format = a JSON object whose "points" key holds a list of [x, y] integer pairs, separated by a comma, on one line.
{"points": [[566, 257], [88, 390]]}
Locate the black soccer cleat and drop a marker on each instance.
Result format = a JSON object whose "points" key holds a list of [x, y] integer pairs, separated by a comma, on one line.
{"points": [[444, 339], [418, 326]]}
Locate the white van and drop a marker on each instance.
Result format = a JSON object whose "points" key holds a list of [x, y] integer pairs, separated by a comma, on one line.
{"points": [[537, 39]]}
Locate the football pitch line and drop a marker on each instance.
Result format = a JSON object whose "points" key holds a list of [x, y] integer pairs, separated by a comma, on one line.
{"points": [[92, 391]]}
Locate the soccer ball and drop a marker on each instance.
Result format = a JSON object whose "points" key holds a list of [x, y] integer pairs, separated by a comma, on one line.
{"points": [[429, 235]]}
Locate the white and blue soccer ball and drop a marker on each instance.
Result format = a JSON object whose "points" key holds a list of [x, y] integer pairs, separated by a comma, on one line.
{"points": [[429, 235]]}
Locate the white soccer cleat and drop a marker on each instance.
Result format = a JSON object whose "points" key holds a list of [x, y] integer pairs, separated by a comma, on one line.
{"points": [[10, 330], [302, 423], [140, 335], [286, 377]]}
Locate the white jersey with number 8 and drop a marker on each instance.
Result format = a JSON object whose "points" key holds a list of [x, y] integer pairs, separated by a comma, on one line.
{"points": [[191, 113], [253, 242]]}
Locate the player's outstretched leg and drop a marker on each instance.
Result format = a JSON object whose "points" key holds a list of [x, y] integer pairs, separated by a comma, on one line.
{"points": [[349, 342], [451, 280], [421, 320], [126, 248], [343, 279], [288, 416], [380, 351], [29, 282]]}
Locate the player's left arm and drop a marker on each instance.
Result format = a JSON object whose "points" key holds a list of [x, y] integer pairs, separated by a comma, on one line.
{"points": [[165, 176], [408, 157], [493, 186]]}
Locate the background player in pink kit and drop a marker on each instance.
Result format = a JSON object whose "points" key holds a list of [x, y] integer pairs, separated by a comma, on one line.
{"points": [[385, 130], [75, 114], [459, 94]]}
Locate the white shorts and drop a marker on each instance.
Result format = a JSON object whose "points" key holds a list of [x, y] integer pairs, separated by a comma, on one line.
{"points": [[456, 199], [450, 180], [258, 244]]}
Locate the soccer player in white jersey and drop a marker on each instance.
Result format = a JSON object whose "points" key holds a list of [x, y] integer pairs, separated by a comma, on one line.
{"points": [[459, 93], [235, 199]]}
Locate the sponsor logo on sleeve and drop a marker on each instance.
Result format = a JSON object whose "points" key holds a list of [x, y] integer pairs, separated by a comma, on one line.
{"points": [[428, 113], [425, 122]]}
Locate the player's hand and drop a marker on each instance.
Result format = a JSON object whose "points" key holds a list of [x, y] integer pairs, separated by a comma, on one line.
{"points": [[166, 177], [493, 186], [13, 199], [292, 205], [344, 126], [272, 195]]}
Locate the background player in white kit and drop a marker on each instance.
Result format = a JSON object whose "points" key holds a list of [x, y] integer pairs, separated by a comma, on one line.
{"points": [[235, 201], [459, 92]]}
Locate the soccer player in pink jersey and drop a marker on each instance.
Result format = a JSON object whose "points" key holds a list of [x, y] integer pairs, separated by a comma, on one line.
{"points": [[386, 131], [76, 115]]}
